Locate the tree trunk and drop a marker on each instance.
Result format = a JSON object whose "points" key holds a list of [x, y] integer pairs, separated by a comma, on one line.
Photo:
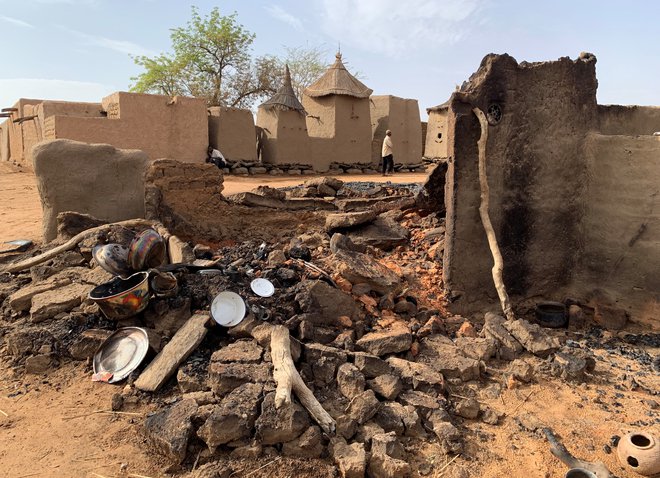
{"points": [[287, 377], [498, 262]]}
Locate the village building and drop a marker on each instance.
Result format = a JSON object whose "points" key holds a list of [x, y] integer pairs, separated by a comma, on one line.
{"points": [[282, 128], [232, 132], [338, 118], [161, 126], [401, 115], [435, 146]]}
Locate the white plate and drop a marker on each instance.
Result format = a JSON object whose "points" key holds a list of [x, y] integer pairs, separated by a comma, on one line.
{"points": [[228, 309], [262, 287]]}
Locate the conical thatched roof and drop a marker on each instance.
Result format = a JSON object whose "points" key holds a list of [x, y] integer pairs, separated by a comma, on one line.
{"points": [[338, 81], [285, 98]]}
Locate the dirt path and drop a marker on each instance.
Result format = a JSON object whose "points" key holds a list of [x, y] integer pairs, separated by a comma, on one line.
{"points": [[20, 210]]}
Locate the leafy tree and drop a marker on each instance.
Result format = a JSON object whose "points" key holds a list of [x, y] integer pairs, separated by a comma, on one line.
{"points": [[210, 59], [306, 66]]}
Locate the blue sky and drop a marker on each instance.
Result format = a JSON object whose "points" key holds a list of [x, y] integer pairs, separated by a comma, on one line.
{"points": [[79, 49]]}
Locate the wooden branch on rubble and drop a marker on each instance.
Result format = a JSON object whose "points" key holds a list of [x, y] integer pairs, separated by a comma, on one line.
{"points": [[498, 262], [287, 378], [75, 240]]}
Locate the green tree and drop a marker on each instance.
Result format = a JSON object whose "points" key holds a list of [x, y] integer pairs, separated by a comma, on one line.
{"points": [[306, 66], [210, 59]]}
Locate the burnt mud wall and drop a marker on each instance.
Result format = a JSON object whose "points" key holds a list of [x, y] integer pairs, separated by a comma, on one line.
{"points": [[539, 114]]}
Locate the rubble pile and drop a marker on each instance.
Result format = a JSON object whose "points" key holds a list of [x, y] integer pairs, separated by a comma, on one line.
{"points": [[370, 337]]}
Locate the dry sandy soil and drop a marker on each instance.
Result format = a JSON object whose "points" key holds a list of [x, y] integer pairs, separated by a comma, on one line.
{"points": [[20, 210], [60, 425]]}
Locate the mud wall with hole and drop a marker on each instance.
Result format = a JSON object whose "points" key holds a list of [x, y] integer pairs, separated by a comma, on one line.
{"points": [[628, 120], [339, 129], [536, 171], [161, 126], [401, 115], [232, 131], [283, 137], [621, 224], [436, 135]]}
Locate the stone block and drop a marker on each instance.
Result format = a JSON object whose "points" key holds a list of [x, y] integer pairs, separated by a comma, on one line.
{"points": [[233, 419], [168, 431], [242, 351], [386, 386], [225, 377], [51, 303], [351, 460], [398, 339], [280, 425], [363, 407], [350, 381]]}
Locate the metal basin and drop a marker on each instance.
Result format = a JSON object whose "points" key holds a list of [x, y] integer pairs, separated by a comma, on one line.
{"points": [[122, 298]]}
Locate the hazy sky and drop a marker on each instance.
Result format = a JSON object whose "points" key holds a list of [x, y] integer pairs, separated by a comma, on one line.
{"points": [[80, 49]]}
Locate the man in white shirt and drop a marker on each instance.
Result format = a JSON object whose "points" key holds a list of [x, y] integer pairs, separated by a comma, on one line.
{"points": [[216, 157], [388, 154]]}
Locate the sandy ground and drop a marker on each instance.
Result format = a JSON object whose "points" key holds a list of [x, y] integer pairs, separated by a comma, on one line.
{"points": [[20, 209]]}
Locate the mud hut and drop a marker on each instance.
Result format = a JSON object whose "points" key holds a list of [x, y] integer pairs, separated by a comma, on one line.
{"points": [[401, 115], [281, 127], [338, 118], [436, 132]]}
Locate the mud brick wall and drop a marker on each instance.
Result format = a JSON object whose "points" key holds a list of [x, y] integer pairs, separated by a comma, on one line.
{"points": [[628, 120], [621, 226], [536, 170], [183, 196], [232, 131], [95, 179]]}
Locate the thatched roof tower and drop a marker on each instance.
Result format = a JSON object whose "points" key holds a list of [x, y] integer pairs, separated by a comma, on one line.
{"points": [[285, 98], [338, 81]]}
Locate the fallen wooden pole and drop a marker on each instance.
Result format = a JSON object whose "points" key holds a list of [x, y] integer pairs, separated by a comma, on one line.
{"points": [[287, 378], [73, 242], [498, 262]]}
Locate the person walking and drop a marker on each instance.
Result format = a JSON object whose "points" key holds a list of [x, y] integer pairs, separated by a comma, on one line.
{"points": [[388, 154]]}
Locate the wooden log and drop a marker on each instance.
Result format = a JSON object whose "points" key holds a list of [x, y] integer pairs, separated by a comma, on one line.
{"points": [[280, 349], [498, 262], [75, 240], [184, 342], [287, 378]]}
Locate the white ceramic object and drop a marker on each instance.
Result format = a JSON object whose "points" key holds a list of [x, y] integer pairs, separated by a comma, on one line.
{"points": [[228, 309], [262, 287], [639, 452]]}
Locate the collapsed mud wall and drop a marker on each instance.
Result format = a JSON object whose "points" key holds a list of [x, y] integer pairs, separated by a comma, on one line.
{"points": [[539, 114]]}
